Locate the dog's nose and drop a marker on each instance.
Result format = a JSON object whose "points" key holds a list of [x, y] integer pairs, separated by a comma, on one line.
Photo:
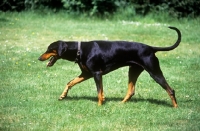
{"points": [[40, 58]]}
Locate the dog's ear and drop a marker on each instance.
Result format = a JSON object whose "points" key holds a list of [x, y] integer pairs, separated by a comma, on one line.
{"points": [[62, 48]]}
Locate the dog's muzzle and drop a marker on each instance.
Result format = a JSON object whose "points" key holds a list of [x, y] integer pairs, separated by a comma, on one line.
{"points": [[52, 60]]}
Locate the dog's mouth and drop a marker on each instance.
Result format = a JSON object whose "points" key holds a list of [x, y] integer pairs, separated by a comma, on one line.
{"points": [[52, 61]]}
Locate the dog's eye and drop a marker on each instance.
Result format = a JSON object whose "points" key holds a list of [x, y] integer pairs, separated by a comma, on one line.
{"points": [[51, 51]]}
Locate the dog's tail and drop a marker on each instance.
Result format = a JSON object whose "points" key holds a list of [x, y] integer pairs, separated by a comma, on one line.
{"points": [[173, 46]]}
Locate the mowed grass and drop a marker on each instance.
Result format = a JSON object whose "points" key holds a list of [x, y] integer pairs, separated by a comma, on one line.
{"points": [[29, 90]]}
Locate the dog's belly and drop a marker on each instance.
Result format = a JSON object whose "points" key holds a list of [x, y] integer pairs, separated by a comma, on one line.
{"points": [[110, 68]]}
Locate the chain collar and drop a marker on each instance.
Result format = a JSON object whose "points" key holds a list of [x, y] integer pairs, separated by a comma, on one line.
{"points": [[78, 52]]}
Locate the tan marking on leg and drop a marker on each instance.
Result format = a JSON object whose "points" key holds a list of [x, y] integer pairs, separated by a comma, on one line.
{"points": [[101, 97], [133, 73], [70, 85], [130, 92], [173, 98], [171, 94]]}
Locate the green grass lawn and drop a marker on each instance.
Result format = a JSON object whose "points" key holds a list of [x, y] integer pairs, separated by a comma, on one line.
{"points": [[29, 90]]}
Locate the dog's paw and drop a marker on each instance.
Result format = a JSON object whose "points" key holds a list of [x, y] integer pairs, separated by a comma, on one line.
{"points": [[61, 98]]}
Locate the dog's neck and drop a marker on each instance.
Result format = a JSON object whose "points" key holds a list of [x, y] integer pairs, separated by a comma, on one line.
{"points": [[72, 50]]}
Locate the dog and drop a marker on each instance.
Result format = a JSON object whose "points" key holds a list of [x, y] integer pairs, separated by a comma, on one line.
{"points": [[97, 58]]}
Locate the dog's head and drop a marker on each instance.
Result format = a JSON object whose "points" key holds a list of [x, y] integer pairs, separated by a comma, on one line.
{"points": [[54, 51]]}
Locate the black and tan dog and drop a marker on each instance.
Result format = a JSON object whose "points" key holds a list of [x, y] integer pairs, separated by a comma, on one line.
{"points": [[97, 58]]}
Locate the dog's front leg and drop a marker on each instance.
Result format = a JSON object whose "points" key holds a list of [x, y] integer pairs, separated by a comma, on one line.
{"points": [[99, 84], [73, 82]]}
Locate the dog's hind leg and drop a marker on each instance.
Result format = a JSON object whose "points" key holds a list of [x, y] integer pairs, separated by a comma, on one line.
{"points": [[73, 82], [153, 68], [133, 74]]}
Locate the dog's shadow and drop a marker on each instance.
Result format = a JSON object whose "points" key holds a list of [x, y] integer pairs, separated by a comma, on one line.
{"points": [[117, 99]]}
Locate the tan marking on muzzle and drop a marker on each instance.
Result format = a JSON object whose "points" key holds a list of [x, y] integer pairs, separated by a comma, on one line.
{"points": [[46, 56]]}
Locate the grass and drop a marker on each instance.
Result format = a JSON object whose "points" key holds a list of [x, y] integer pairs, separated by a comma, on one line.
{"points": [[29, 90]]}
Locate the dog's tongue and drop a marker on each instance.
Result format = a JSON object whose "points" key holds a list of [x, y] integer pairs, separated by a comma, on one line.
{"points": [[52, 61]]}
